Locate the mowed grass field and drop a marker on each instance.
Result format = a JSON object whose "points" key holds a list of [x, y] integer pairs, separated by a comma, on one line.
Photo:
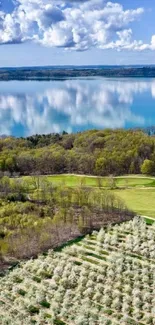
{"points": [[77, 180], [142, 201], [138, 192]]}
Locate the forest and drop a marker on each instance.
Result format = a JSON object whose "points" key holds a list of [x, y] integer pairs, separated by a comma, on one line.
{"points": [[49, 73], [92, 152]]}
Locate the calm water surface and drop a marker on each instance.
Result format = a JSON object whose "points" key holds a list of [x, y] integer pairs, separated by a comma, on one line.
{"points": [[30, 107]]}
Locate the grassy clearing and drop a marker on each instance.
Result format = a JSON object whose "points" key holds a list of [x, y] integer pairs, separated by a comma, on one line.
{"points": [[77, 180], [73, 180], [139, 198], [141, 201], [135, 182], [137, 191]]}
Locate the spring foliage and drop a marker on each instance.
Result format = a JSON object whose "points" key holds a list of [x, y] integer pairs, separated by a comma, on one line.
{"points": [[98, 152]]}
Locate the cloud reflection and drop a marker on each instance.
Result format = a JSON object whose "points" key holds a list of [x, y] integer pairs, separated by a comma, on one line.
{"points": [[73, 105]]}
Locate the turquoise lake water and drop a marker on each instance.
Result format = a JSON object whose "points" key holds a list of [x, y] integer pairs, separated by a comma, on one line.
{"points": [[30, 107]]}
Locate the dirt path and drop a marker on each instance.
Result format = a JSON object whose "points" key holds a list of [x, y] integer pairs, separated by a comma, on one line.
{"points": [[148, 218]]}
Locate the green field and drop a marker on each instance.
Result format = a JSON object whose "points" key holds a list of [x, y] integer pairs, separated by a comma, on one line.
{"points": [[141, 201], [73, 180], [77, 180], [137, 191]]}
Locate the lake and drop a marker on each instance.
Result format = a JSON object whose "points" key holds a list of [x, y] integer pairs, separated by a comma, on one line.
{"points": [[30, 107]]}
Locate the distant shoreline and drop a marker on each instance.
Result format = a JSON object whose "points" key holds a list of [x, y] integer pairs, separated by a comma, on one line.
{"points": [[61, 73]]}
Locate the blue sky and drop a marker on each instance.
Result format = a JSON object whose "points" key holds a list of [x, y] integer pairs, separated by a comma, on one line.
{"points": [[55, 32]]}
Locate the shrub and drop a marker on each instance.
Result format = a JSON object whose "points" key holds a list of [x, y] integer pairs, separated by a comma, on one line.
{"points": [[22, 292], [37, 279], [33, 309], [58, 322], [2, 234], [16, 197], [18, 280], [47, 316], [45, 303]]}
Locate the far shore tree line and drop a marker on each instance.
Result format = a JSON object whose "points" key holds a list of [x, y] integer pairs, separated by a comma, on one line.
{"points": [[93, 152]]}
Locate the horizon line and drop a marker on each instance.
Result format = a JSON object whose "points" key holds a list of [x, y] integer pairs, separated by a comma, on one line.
{"points": [[77, 65]]}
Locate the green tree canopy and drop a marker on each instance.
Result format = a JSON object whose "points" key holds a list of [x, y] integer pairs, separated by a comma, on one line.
{"points": [[148, 167]]}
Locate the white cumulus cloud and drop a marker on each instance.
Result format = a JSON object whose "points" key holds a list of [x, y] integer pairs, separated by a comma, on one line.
{"points": [[72, 24]]}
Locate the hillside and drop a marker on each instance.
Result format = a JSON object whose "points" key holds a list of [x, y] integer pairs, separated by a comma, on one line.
{"points": [[108, 278], [95, 152]]}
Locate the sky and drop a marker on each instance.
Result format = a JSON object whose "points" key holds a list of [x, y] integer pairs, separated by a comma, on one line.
{"points": [[77, 32]]}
